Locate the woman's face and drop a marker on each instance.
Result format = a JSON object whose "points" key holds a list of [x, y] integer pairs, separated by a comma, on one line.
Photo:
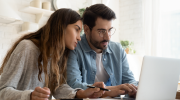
{"points": [[72, 35]]}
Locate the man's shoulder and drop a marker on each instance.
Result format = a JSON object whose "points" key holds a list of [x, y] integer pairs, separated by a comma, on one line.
{"points": [[114, 45], [79, 47], [77, 51], [82, 46]]}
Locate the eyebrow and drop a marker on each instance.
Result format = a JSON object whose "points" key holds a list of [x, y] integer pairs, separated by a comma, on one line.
{"points": [[104, 29], [78, 27]]}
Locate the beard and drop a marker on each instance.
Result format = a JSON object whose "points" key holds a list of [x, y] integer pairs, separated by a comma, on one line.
{"points": [[96, 43]]}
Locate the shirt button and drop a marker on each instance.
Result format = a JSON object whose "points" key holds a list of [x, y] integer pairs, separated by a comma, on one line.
{"points": [[104, 59]]}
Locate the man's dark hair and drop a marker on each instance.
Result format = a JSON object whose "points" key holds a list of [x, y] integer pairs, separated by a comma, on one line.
{"points": [[91, 14]]}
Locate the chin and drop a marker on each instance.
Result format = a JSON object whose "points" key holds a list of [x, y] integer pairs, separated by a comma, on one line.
{"points": [[72, 48], [104, 47]]}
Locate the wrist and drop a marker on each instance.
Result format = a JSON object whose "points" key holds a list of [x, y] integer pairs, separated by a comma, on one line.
{"points": [[104, 95], [80, 94], [106, 92]]}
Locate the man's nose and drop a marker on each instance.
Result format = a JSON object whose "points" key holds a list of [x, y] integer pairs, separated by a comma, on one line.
{"points": [[107, 36]]}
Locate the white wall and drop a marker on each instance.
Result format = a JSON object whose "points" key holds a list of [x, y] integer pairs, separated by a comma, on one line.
{"points": [[114, 5], [130, 28], [130, 23]]}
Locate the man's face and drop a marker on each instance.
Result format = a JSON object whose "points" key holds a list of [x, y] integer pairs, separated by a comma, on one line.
{"points": [[95, 39]]}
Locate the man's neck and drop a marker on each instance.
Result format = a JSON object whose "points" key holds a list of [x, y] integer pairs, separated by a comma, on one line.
{"points": [[94, 48]]}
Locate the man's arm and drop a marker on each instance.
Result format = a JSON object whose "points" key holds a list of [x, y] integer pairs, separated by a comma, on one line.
{"points": [[74, 74], [127, 75]]}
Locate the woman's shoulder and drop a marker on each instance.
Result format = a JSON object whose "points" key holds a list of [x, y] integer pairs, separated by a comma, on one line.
{"points": [[26, 46]]}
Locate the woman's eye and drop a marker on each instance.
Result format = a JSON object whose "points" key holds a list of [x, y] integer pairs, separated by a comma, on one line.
{"points": [[77, 30]]}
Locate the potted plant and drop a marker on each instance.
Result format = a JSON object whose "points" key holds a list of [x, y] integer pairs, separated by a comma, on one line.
{"points": [[81, 11], [127, 46]]}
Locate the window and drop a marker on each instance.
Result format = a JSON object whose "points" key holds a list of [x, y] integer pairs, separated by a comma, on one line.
{"points": [[170, 28]]}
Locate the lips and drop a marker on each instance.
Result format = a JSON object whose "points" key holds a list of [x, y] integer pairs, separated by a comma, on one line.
{"points": [[105, 43], [75, 44]]}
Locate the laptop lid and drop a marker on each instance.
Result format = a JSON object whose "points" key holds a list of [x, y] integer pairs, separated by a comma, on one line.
{"points": [[158, 79]]}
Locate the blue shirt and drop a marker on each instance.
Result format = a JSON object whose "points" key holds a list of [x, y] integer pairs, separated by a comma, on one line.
{"points": [[81, 65]]}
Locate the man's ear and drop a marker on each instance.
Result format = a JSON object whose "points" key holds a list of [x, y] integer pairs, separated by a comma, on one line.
{"points": [[86, 29]]}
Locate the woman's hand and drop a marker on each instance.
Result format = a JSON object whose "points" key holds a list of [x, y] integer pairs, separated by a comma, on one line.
{"points": [[40, 93], [91, 92]]}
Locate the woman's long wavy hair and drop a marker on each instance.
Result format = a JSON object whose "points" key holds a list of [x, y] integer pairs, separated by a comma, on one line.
{"points": [[51, 43]]}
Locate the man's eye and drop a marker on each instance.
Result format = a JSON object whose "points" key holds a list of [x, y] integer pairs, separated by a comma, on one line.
{"points": [[103, 31]]}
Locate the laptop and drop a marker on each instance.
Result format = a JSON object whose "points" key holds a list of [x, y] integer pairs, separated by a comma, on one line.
{"points": [[158, 79]]}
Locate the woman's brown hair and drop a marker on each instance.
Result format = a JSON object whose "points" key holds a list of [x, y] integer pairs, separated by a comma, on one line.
{"points": [[51, 43]]}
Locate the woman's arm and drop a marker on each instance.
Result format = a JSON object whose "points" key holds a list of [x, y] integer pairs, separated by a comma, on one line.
{"points": [[66, 92], [10, 77]]}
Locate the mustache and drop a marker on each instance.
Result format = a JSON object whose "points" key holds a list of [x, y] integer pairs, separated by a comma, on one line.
{"points": [[105, 41]]}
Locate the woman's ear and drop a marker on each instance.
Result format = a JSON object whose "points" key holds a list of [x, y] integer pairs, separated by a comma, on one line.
{"points": [[86, 29]]}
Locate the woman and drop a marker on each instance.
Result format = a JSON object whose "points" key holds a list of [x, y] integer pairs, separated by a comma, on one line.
{"points": [[35, 66]]}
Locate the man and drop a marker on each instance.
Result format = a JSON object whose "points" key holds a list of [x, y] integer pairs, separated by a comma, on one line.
{"points": [[97, 59]]}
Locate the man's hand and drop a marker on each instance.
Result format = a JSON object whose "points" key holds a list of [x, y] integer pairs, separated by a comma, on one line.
{"points": [[133, 93], [122, 89], [91, 92], [40, 93]]}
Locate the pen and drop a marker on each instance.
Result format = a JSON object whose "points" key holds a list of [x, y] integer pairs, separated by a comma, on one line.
{"points": [[98, 87]]}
